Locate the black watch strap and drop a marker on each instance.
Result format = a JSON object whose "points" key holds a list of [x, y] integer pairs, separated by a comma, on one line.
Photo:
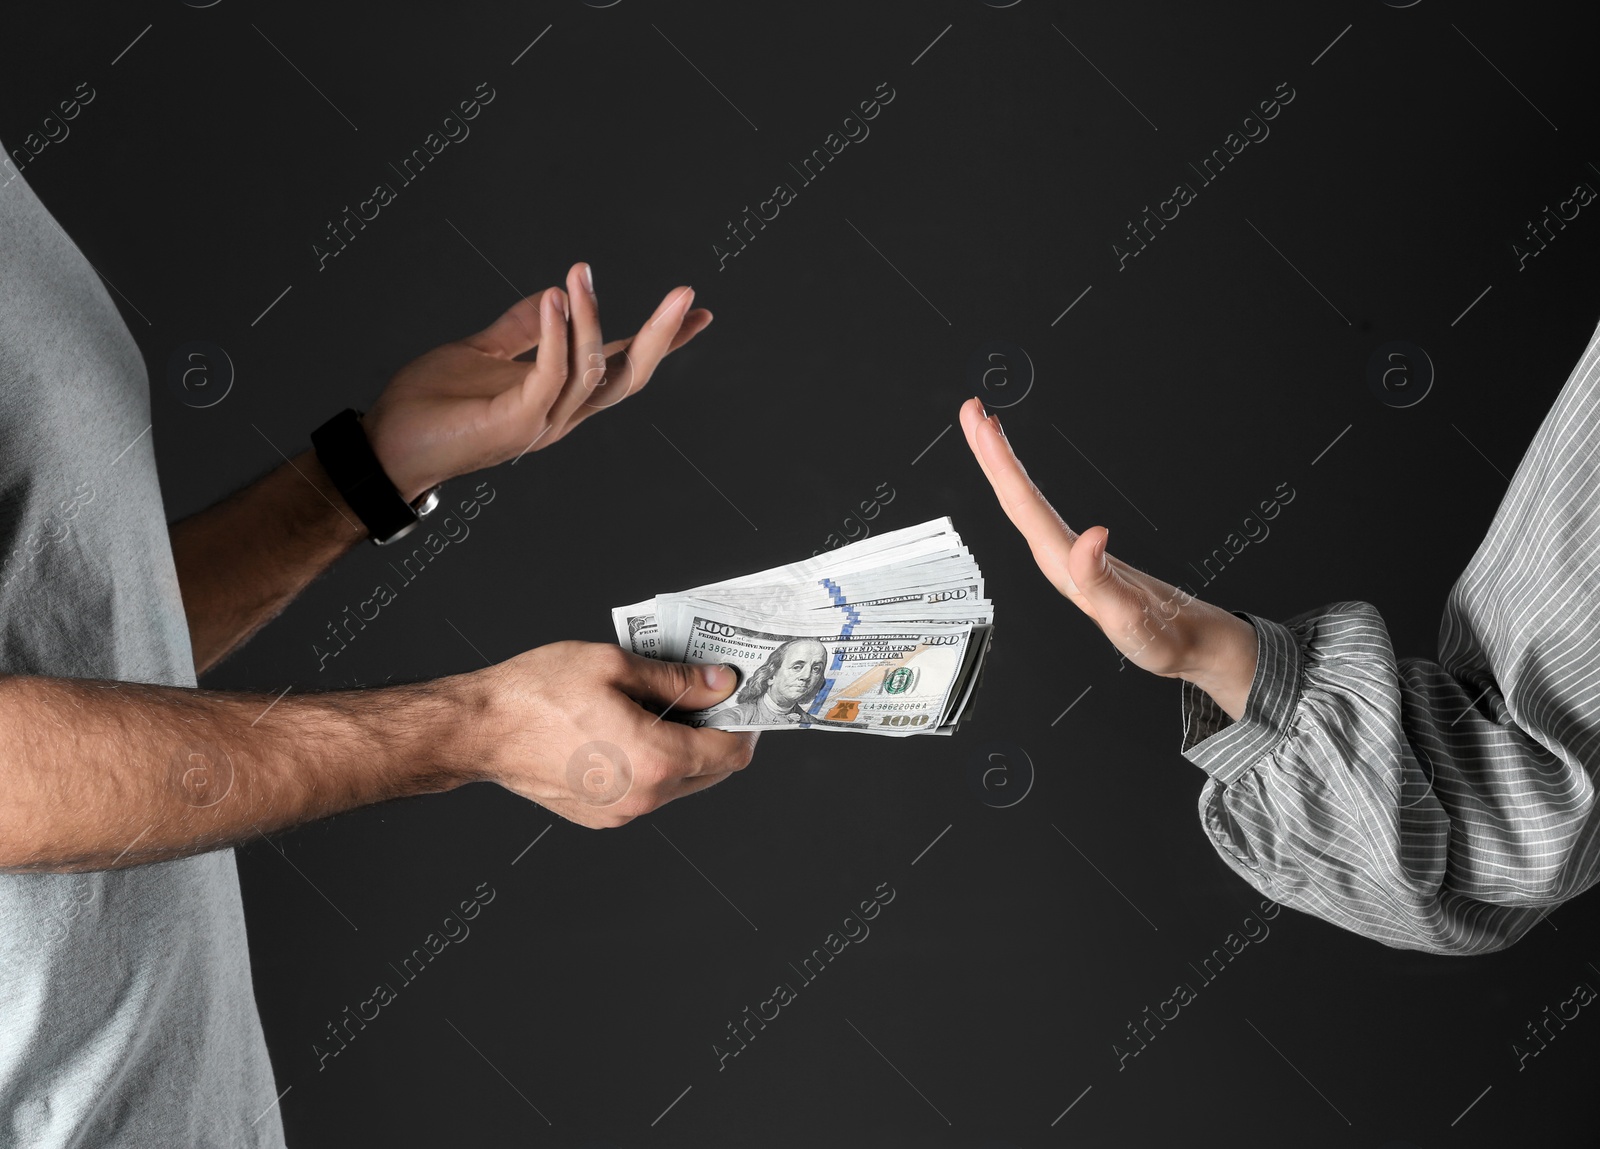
{"points": [[342, 448]]}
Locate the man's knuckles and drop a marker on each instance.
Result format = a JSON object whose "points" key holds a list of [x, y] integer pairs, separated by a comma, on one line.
{"points": [[606, 662]]}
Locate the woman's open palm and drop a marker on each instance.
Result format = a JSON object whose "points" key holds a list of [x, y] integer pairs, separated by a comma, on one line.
{"points": [[1157, 626]]}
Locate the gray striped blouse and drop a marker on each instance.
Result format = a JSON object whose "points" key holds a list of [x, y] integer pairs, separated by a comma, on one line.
{"points": [[1443, 806]]}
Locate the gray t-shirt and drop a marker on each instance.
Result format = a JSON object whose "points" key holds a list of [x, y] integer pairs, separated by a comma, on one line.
{"points": [[126, 1011]]}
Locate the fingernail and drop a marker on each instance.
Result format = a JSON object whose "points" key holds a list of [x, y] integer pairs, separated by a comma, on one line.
{"points": [[588, 278], [565, 313], [719, 676], [995, 419], [982, 410], [675, 306]]}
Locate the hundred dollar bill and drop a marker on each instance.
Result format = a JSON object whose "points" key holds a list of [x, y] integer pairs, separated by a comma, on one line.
{"points": [[639, 625], [930, 587], [886, 636], [880, 680], [637, 629], [675, 614]]}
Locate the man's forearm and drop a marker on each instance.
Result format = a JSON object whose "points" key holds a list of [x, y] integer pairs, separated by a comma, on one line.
{"points": [[96, 775], [243, 560]]}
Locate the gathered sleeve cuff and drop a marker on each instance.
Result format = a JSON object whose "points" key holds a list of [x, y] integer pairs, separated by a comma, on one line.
{"points": [[1225, 748]]}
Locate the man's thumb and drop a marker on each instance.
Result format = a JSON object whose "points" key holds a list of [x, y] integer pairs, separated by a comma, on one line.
{"points": [[680, 685]]}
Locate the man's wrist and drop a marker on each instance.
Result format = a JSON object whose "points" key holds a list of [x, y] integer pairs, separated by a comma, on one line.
{"points": [[468, 736], [340, 516], [395, 461], [429, 735]]}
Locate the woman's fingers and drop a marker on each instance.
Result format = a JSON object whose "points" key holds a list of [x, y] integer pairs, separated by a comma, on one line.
{"points": [[1099, 590], [1049, 537], [1138, 613], [973, 414]]}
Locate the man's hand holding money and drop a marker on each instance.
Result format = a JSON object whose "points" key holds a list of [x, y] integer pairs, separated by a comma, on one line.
{"points": [[582, 729]]}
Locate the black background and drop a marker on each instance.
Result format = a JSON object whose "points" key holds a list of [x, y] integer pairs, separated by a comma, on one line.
{"points": [[1017, 949]]}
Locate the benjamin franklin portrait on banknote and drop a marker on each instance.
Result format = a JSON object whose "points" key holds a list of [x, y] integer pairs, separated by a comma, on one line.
{"points": [[779, 691]]}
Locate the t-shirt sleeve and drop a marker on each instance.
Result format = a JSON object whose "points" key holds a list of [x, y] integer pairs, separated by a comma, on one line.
{"points": [[1387, 796]]}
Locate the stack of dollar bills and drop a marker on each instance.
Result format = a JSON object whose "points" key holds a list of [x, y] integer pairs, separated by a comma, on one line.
{"points": [[884, 636]]}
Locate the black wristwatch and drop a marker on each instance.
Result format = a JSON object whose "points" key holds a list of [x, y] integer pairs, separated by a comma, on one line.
{"points": [[342, 448]]}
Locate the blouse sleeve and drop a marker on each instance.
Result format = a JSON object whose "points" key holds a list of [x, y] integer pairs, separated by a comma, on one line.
{"points": [[1443, 806], [1388, 797]]}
